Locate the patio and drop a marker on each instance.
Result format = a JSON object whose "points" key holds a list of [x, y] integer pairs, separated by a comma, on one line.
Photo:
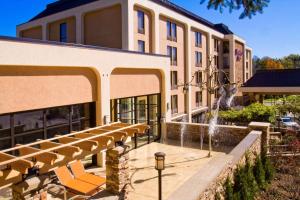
{"points": [[181, 164]]}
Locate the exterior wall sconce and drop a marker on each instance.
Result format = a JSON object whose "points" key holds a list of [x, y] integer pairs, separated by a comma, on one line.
{"points": [[159, 166]]}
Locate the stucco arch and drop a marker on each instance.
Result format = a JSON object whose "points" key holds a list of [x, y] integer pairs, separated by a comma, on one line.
{"points": [[37, 87]]}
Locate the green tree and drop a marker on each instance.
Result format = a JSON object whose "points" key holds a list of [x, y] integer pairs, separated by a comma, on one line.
{"points": [[252, 184], [241, 185], [259, 173], [268, 167], [250, 7], [228, 189]]}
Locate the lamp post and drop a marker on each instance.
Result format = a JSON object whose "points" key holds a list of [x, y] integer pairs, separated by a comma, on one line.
{"points": [[159, 166]]}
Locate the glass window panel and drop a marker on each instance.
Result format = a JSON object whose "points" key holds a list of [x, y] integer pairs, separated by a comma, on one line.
{"points": [[126, 110], [5, 144], [25, 139], [58, 116], [174, 30], [59, 130], [174, 54], [5, 126], [169, 32], [141, 109], [141, 46], [63, 32], [141, 20], [28, 121]]}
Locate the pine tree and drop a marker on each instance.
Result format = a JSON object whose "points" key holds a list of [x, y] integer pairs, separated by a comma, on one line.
{"points": [[228, 189], [259, 173], [252, 184], [268, 167], [241, 185]]}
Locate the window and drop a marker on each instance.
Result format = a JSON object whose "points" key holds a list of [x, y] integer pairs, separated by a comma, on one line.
{"points": [[174, 80], [216, 45], [141, 22], [198, 77], [226, 47], [63, 32], [5, 132], [225, 62], [216, 61], [171, 31], [46, 123], [198, 59], [174, 104], [141, 46], [247, 76], [198, 39], [172, 53], [198, 99], [174, 31]]}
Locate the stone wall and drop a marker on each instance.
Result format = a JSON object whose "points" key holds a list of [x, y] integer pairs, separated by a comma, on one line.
{"points": [[117, 171], [251, 145], [225, 135], [209, 180]]}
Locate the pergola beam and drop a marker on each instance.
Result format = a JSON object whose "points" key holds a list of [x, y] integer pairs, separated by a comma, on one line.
{"points": [[109, 133]]}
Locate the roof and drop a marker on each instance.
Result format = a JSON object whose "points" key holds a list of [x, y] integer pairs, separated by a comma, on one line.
{"points": [[62, 5], [275, 78]]}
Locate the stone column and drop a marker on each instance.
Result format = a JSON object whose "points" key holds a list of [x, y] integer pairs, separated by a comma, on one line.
{"points": [[265, 128], [117, 171]]}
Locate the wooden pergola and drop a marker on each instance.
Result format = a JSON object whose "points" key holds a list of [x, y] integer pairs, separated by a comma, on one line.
{"points": [[46, 155]]}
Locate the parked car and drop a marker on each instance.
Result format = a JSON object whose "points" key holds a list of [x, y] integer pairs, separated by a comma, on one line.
{"points": [[289, 123]]}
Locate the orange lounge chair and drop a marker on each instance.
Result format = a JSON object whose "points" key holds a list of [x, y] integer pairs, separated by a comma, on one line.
{"points": [[65, 178], [80, 174]]}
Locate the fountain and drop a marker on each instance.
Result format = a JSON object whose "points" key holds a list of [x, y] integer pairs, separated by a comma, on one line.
{"points": [[182, 132], [226, 98]]}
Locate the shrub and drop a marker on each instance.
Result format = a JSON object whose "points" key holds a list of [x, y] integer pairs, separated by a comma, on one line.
{"points": [[241, 185], [218, 196], [228, 189], [252, 184], [268, 167], [259, 173], [253, 112]]}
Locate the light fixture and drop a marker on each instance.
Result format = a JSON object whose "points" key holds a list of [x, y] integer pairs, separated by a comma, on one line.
{"points": [[159, 166], [160, 160]]}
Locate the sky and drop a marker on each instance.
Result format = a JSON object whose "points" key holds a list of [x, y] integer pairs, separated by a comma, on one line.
{"points": [[275, 33]]}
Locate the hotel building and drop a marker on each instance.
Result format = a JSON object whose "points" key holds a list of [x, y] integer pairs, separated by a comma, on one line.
{"points": [[81, 63]]}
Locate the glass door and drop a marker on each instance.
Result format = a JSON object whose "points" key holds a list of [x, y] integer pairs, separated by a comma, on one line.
{"points": [[141, 109]]}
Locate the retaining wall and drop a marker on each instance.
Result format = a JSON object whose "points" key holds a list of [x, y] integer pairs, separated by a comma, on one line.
{"points": [[224, 135], [210, 178]]}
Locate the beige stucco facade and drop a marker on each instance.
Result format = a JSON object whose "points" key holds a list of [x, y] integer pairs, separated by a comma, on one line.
{"points": [[120, 31], [54, 29], [38, 75]]}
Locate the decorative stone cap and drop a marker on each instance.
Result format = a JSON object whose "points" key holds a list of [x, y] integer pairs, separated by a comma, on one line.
{"points": [[260, 124]]}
